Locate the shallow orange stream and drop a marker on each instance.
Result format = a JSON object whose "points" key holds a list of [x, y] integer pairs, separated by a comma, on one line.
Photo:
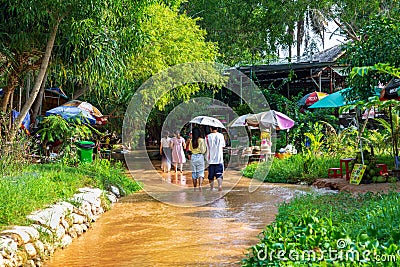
{"points": [[141, 231]]}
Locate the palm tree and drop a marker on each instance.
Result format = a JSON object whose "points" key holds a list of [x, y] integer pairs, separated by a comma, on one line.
{"points": [[311, 22]]}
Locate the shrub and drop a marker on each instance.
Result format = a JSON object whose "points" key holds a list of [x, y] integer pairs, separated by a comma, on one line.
{"points": [[36, 186], [331, 230], [297, 168]]}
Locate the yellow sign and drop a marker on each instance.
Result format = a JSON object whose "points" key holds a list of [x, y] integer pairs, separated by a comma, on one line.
{"points": [[357, 173]]}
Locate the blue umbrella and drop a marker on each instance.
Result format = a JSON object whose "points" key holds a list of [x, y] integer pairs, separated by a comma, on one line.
{"points": [[334, 100], [68, 112], [337, 99]]}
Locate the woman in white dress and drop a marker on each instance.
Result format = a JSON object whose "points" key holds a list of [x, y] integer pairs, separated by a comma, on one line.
{"points": [[178, 146], [166, 152]]}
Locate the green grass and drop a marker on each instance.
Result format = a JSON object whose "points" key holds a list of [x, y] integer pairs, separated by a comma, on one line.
{"points": [[367, 223], [35, 186], [295, 169]]}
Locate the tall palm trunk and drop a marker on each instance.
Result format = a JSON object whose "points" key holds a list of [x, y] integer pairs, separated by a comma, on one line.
{"points": [[38, 102], [299, 37]]}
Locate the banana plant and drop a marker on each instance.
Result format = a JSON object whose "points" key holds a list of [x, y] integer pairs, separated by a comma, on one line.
{"points": [[392, 127], [340, 142], [316, 138]]}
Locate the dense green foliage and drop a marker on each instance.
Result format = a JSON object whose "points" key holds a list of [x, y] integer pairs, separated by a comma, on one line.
{"points": [[36, 186], [294, 169], [331, 230], [253, 31], [378, 44]]}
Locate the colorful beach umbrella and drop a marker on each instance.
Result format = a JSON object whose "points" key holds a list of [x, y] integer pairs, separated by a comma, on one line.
{"points": [[391, 90], [311, 98], [272, 117], [334, 100]]}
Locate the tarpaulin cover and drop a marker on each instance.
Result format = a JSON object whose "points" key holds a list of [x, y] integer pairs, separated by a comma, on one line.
{"points": [[26, 122], [68, 112]]}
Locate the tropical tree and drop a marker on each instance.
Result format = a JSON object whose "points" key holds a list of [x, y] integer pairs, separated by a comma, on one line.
{"points": [[24, 33], [379, 44], [168, 39]]}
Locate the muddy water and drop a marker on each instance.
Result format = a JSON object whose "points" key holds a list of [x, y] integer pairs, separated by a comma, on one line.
{"points": [[142, 231]]}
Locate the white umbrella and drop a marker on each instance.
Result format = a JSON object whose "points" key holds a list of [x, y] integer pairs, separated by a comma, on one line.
{"points": [[239, 121], [271, 117], [205, 120]]}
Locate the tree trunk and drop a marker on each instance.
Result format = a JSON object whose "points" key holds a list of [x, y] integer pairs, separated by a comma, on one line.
{"points": [[6, 98], [43, 69], [38, 102], [299, 38], [11, 85]]}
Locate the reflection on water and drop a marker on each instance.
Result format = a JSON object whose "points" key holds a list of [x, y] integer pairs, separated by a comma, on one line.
{"points": [[141, 231]]}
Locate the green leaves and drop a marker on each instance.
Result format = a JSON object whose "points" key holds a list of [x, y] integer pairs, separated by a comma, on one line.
{"points": [[331, 230], [374, 58], [55, 128]]}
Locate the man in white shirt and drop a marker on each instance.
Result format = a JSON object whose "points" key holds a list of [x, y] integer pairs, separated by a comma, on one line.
{"points": [[215, 142]]}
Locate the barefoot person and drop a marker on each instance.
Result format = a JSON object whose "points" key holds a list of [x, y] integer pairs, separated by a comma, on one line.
{"points": [[215, 142], [178, 155], [166, 153], [197, 147]]}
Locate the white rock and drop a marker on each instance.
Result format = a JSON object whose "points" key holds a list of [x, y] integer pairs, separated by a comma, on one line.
{"points": [[19, 236], [66, 205], [8, 247], [85, 207], [60, 232], [86, 210], [34, 234], [92, 198], [39, 246], [84, 227], [78, 219], [38, 262], [50, 217], [30, 250], [20, 258], [66, 241], [96, 191], [42, 230], [95, 218], [72, 233], [30, 263], [65, 224], [77, 228], [22, 234], [49, 247], [100, 210], [115, 191], [113, 198]]}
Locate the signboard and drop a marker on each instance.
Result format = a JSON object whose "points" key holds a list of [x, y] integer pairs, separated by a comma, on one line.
{"points": [[357, 173]]}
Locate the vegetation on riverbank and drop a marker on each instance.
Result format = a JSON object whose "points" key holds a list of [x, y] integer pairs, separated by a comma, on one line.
{"points": [[294, 169], [35, 186], [331, 230], [299, 168]]}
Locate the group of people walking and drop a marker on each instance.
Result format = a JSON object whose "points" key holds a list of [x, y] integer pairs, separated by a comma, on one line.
{"points": [[198, 147]]}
